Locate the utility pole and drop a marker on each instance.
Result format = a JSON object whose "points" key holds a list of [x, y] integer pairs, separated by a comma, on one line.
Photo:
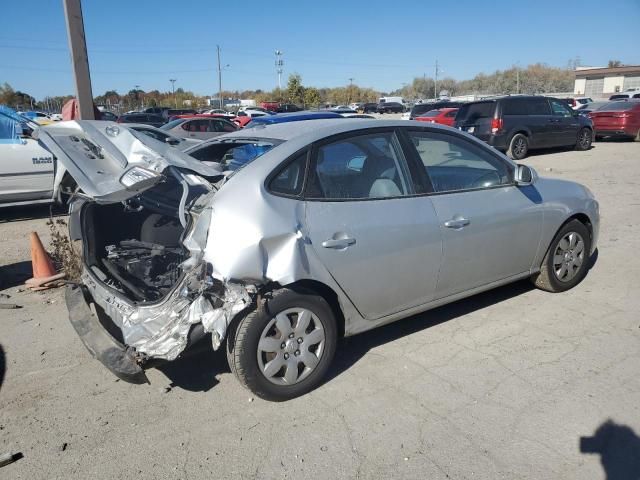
{"points": [[219, 78], [279, 65], [79, 58], [173, 88], [137, 87], [435, 83], [518, 77], [350, 89]]}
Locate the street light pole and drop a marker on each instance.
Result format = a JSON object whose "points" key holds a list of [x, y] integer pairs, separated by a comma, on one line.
{"points": [[79, 58], [219, 78], [137, 87], [279, 65], [435, 83], [173, 88], [350, 89]]}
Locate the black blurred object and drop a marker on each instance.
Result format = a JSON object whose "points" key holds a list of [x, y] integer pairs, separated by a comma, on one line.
{"points": [[3, 365], [7, 458], [619, 450]]}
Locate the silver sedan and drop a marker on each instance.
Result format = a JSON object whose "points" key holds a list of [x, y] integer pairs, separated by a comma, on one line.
{"points": [[306, 232]]}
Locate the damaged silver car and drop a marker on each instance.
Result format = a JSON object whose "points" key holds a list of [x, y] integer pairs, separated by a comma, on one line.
{"points": [[279, 240]]}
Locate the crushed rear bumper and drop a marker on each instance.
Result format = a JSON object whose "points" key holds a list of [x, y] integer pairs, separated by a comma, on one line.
{"points": [[102, 346]]}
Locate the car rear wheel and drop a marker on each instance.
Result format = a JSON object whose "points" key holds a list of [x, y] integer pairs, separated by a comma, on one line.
{"points": [[567, 260], [283, 348], [584, 139], [518, 147]]}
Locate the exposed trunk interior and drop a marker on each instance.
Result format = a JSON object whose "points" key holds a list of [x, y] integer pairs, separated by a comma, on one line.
{"points": [[135, 246]]}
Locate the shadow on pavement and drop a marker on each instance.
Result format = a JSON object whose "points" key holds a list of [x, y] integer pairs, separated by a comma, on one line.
{"points": [[196, 371], [33, 212], [354, 348], [619, 450], [14, 274]]}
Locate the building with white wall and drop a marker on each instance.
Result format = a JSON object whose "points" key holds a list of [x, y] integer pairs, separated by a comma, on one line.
{"points": [[599, 82]]}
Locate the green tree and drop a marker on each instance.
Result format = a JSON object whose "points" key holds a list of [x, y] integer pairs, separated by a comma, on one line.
{"points": [[295, 89], [614, 63], [311, 97]]}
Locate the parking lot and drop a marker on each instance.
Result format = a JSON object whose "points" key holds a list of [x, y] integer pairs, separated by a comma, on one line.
{"points": [[506, 384]]}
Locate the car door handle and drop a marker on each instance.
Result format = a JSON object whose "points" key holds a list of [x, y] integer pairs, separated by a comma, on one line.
{"points": [[554, 120], [338, 242], [457, 223]]}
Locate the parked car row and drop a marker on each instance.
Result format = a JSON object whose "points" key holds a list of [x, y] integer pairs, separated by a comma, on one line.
{"points": [[519, 124]]}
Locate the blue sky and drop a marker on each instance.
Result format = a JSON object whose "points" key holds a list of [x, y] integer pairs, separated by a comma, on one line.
{"points": [[379, 44]]}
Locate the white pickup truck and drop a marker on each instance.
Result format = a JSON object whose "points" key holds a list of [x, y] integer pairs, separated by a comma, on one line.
{"points": [[27, 170]]}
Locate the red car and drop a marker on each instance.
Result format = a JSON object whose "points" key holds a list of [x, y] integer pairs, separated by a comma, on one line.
{"points": [[271, 106], [620, 118], [443, 116]]}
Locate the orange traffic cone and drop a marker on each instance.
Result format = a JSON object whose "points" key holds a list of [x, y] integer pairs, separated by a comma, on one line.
{"points": [[43, 269]]}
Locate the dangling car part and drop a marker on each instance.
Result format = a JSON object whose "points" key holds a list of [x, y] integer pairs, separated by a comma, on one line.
{"points": [[278, 239]]}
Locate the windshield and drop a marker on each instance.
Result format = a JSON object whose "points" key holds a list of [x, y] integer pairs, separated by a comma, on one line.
{"points": [[172, 124], [233, 155], [431, 113]]}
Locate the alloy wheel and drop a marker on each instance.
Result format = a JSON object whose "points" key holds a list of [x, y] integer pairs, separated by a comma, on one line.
{"points": [[568, 257], [585, 138], [519, 147]]}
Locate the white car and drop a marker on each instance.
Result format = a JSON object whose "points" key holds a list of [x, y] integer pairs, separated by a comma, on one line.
{"points": [[253, 112], [28, 171]]}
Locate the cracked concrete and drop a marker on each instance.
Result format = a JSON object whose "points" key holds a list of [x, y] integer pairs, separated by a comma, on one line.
{"points": [[501, 385]]}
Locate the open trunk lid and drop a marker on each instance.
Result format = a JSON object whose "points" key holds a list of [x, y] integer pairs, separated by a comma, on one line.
{"points": [[111, 162]]}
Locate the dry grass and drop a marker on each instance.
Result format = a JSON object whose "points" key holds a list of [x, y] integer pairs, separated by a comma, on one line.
{"points": [[64, 255]]}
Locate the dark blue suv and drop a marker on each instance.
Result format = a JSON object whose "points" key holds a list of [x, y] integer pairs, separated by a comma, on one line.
{"points": [[517, 124]]}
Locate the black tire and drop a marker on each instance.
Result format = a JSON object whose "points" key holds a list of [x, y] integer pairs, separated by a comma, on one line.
{"points": [[247, 329], [547, 279], [584, 139], [518, 146]]}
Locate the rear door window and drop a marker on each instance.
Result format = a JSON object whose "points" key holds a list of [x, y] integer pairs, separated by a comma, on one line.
{"points": [[538, 106], [514, 106], [560, 109], [359, 167]]}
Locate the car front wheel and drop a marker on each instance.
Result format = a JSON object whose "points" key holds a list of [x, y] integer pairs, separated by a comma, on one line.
{"points": [[283, 348], [567, 260]]}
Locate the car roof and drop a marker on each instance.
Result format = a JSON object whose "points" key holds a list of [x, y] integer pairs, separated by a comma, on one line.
{"points": [[294, 117], [314, 129]]}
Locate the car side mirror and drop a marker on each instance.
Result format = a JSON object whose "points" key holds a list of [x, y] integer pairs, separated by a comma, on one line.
{"points": [[172, 141], [524, 175]]}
